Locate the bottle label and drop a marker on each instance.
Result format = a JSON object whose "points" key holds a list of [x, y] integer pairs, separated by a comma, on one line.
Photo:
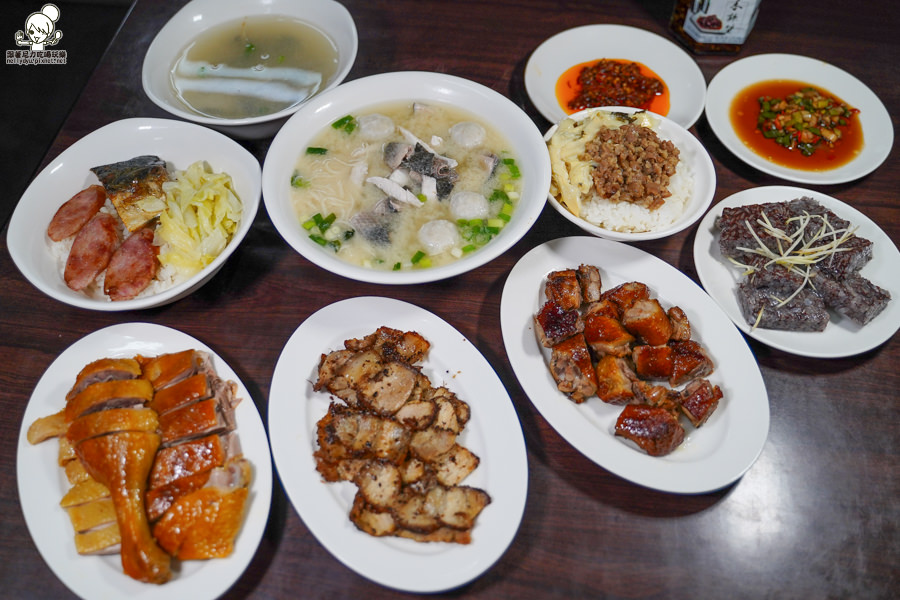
{"points": [[720, 21]]}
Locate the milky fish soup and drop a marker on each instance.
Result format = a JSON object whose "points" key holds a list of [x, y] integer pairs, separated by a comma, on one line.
{"points": [[253, 66], [405, 185]]}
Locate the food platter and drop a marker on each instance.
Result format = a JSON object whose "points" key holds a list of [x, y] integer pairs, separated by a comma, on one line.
{"points": [[692, 153], [42, 484], [493, 433], [178, 143], [878, 130], [712, 456], [841, 337], [687, 87]]}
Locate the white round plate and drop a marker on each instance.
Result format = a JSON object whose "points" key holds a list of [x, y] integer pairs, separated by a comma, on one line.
{"points": [[556, 55], [493, 433], [878, 130], [178, 143], [691, 151], [42, 483], [841, 337], [711, 456]]}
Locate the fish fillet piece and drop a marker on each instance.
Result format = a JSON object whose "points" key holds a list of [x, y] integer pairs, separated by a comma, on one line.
{"points": [[135, 188], [109, 394], [122, 462]]}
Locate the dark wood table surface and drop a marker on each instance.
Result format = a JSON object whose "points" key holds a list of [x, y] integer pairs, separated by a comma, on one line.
{"points": [[816, 516]]}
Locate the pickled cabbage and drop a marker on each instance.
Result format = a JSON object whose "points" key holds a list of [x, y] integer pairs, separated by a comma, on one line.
{"points": [[202, 213]]}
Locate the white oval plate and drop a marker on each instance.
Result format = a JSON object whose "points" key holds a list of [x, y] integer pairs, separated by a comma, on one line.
{"points": [[712, 456], [176, 142], [878, 130], [841, 337], [690, 150], [556, 55], [493, 433], [42, 483]]}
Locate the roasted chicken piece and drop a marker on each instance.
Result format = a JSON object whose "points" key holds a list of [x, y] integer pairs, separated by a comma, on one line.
{"points": [[570, 365], [204, 523], [122, 462], [614, 380], [187, 458], [646, 319], [681, 326], [199, 419], [606, 335], [110, 421], [167, 369], [653, 362], [690, 361], [47, 427], [554, 324], [563, 288], [654, 429], [194, 388], [590, 282], [626, 294], [699, 400]]}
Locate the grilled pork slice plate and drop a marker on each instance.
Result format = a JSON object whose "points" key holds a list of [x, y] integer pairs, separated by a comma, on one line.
{"points": [[492, 433], [42, 484]]}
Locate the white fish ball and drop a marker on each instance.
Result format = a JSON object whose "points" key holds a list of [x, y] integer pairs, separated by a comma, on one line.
{"points": [[469, 205], [438, 236], [467, 134], [375, 126]]}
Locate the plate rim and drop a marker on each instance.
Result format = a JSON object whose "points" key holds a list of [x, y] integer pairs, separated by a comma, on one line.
{"points": [[224, 572], [314, 500], [570, 420], [722, 90], [553, 113], [707, 266]]}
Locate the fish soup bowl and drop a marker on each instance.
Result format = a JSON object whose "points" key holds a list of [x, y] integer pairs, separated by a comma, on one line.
{"points": [[243, 67], [384, 228], [693, 185], [180, 145]]}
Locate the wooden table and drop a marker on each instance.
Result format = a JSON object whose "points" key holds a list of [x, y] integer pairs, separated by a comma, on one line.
{"points": [[816, 516]]}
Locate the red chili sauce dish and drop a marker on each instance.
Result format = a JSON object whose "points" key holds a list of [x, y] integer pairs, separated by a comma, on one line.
{"points": [[797, 125], [612, 82]]}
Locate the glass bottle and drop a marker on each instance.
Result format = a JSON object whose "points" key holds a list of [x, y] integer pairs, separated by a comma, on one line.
{"points": [[713, 26]]}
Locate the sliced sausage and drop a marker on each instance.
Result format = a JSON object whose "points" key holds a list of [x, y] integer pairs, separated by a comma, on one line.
{"points": [[132, 267], [76, 212], [93, 247]]}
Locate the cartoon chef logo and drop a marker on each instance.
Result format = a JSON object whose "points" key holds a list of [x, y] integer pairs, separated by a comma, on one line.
{"points": [[40, 29]]}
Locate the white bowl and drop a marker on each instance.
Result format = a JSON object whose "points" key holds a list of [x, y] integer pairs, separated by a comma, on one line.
{"points": [[179, 144], [491, 107], [691, 151], [328, 16]]}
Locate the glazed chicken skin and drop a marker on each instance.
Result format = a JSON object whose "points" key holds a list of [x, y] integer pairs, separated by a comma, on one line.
{"points": [[624, 347]]}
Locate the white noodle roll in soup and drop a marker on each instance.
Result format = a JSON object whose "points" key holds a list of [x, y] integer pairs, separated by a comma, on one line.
{"points": [[405, 185]]}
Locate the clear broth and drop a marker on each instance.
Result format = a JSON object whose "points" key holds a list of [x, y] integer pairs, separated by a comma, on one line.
{"points": [[253, 67]]}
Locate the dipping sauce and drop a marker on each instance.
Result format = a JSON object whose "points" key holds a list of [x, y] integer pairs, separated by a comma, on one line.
{"points": [[252, 67], [612, 82], [745, 114]]}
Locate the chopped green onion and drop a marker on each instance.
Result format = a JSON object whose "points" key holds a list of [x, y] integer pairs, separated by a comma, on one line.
{"points": [[347, 123], [513, 168], [318, 239], [417, 257], [469, 248], [397, 266], [298, 181], [248, 49], [316, 150], [499, 195]]}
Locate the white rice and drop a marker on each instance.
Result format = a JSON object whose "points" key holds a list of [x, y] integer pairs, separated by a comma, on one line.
{"points": [[627, 217]]}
